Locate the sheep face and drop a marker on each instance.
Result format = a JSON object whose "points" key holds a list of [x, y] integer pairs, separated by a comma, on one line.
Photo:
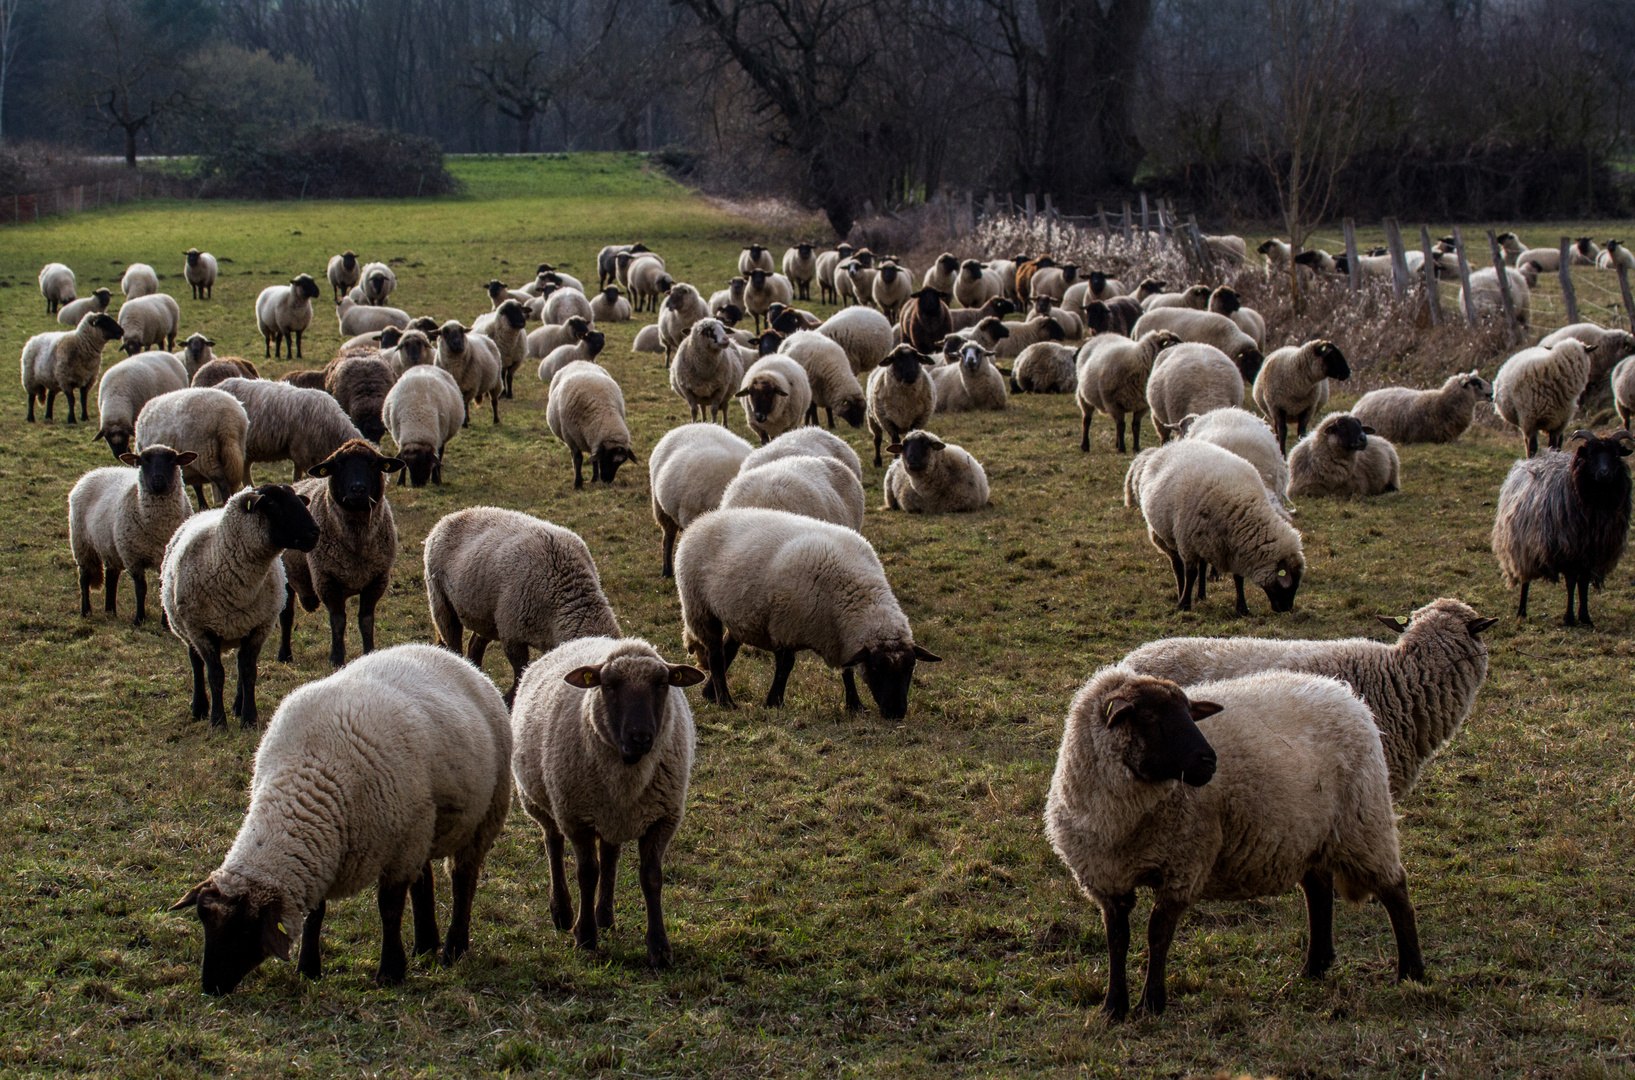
{"points": [[287, 520], [864, 257], [995, 328], [972, 357], [629, 712], [1347, 434], [1153, 729], [1266, 247], [1483, 388], [947, 263], [421, 463], [238, 934], [594, 342], [1281, 585], [805, 249], [102, 297], [844, 251], [117, 434], [377, 284], [1334, 365], [514, 314], [929, 303], [195, 347], [767, 344], [853, 410], [496, 289], [888, 670], [918, 449], [611, 294], [158, 468], [349, 260], [730, 315], [905, 362], [356, 475], [763, 394], [1248, 359], [757, 277], [304, 286], [755, 251], [1225, 300], [1598, 468], [970, 269], [785, 321], [414, 349], [889, 272], [1053, 330], [192, 256], [607, 459], [454, 336], [106, 324], [1098, 317], [711, 331], [580, 327]]}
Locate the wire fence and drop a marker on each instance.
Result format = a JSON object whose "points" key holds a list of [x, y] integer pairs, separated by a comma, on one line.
{"points": [[81, 197]]}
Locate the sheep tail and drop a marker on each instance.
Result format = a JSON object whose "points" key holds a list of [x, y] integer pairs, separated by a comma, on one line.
{"points": [[232, 464]]}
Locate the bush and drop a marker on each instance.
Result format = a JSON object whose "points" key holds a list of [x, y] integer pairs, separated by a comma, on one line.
{"points": [[328, 161], [27, 168]]}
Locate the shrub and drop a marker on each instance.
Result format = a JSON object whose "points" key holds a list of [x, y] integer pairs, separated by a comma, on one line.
{"points": [[328, 161]]}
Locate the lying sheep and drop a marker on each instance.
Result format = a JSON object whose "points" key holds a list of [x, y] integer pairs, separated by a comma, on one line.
{"points": [[283, 313], [608, 306], [1616, 255], [900, 397], [200, 271], [288, 423], [72, 312], [1045, 368], [783, 582], [688, 470], [222, 368], [222, 586], [864, 333], [1485, 295], [1293, 385], [1208, 328], [1248, 436], [706, 370], [930, 476], [788, 320], [376, 283], [57, 286], [512, 578], [818, 487], [121, 519], [586, 412], [423, 411], [63, 361], [1567, 516], [1195, 297], [150, 320], [604, 748], [139, 280], [1019, 336], [1581, 252], [1206, 507], [344, 271], [680, 310], [498, 294], [545, 339], [1538, 389], [365, 319], [966, 318], [125, 388], [1190, 378], [829, 374], [565, 303], [211, 423], [506, 326], [1229, 790], [776, 395], [970, 384], [1402, 415], [195, 352], [1112, 377], [647, 340], [364, 778], [474, 361], [1339, 458]]}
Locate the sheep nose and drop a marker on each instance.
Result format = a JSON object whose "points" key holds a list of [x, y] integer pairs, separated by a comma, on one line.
{"points": [[1200, 770]]}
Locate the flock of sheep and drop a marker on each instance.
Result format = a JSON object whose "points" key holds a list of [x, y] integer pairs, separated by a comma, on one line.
{"points": [[1199, 768]]}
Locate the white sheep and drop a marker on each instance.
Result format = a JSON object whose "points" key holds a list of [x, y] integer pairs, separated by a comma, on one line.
{"points": [[647, 281], [1538, 389], [413, 349], [200, 271], [564, 303], [62, 361], [283, 313], [688, 470], [1112, 378], [1616, 255], [545, 339], [57, 286], [827, 262], [506, 326], [139, 279], [72, 312], [828, 370], [586, 412], [891, 289], [121, 519], [731, 296], [1340, 457], [195, 352], [706, 370], [376, 282], [681, 309], [368, 319], [344, 271], [754, 257], [1045, 367], [1485, 295], [864, 333], [806, 442], [1402, 415], [209, 422], [930, 476], [1606, 346], [1293, 385], [775, 394], [647, 340], [474, 361], [1018, 336], [901, 397], [154, 319], [818, 487], [1249, 437], [977, 284], [423, 411], [1190, 378], [563, 355], [126, 387], [608, 306], [764, 289], [970, 384], [1225, 301], [287, 423], [1195, 297], [1208, 328]]}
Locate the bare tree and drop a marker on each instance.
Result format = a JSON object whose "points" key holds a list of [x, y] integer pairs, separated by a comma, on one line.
{"points": [[11, 35], [129, 80]]}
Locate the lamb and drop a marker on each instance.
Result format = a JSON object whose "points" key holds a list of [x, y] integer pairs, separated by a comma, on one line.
{"points": [[930, 476], [364, 778], [545, 339], [125, 388], [603, 753], [818, 487], [366, 319], [195, 352], [72, 312], [222, 368], [607, 262], [1112, 377], [359, 385], [1225, 301], [200, 271], [977, 284], [1484, 293], [864, 333], [474, 361], [139, 280], [971, 384], [754, 257], [506, 327], [149, 320], [287, 423], [892, 288], [1616, 255], [211, 423], [608, 306], [1208, 328], [1565, 515], [1190, 378], [829, 374], [689, 469], [57, 286], [423, 411], [1293, 385], [1606, 348], [763, 290], [1045, 368], [1623, 391], [1538, 389], [1339, 458], [1195, 297], [563, 355], [731, 296], [647, 281], [1285, 784], [283, 312], [783, 582], [965, 318], [121, 519], [776, 395], [512, 578], [1248, 436], [706, 370], [900, 397], [586, 412], [62, 361], [1403, 415], [222, 586], [377, 282], [681, 309], [1206, 507], [344, 273]]}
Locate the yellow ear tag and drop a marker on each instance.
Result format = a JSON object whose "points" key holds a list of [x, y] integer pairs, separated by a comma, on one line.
{"points": [[1110, 706], [1402, 620], [281, 930]]}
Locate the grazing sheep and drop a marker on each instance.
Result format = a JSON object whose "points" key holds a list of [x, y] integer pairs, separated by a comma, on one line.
{"points": [[647, 281], [1615, 255], [343, 273], [63, 361], [512, 578], [754, 257], [819, 487], [1232, 250], [195, 352], [1293, 385], [1249, 437], [1195, 297], [365, 319], [283, 313], [1565, 516], [423, 411], [121, 519], [1206, 507], [603, 753], [688, 470], [210, 423], [586, 412], [1485, 295], [1208, 328], [681, 309], [829, 374], [1339, 458], [783, 582], [57, 286], [826, 265], [1402, 415], [139, 280], [1045, 368], [200, 271], [930, 476], [359, 385], [776, 395], [1538, 389], [125, 388], [706, 370], [1623, 391], [864, 333], [971, 384], [376, 282], [563, 355], [1112, 377], [474, 361], [288, 423], [153, 320], [608, 306], [364, 778], [506, 326], [1607, 347], [222, 368], [892, 288], [1190, 378], [543, 341], [1321, 262], [71, 313], [607, 262], [222, 586], [357, 546], [900, 397], [1230, 790]]}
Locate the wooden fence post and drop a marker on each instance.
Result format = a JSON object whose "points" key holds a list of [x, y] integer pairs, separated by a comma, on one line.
{"points": [[970, 212], [1206, 262], [1629, 299], [1433, 291], [1567, 294], [1163, 222], [1503, 273], [1126, 221], [1106, 229], [1399, 258], [1010, 205], [1146, 228], [990, 207], [1029, 207], [1351, 272]]}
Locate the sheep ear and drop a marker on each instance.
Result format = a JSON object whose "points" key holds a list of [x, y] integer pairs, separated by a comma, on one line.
{"points": [[742, 393], [191, 899], [305, 500], [685, 675], [274, 937], [1202, 710], [938, 444], [391, 464], [1476, 626], [780, 391], [1399, 623], [584, 678], [128, 459], [320, 470], [1119, 710], [895, 448], [210, 343], [1367, 430], [922, 653], [186, 458]]}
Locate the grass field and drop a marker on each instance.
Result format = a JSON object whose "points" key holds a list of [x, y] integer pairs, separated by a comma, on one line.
{"points": [[847, 897]]}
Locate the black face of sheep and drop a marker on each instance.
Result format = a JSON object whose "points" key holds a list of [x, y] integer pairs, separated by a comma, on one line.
{"points": [[730, 315], [763, 395], [853, 411], [159, 468], [889, 272], [1249, 360], [118, 437], [611, 294], [1160, 730], [757, 277], [192, 256], [1280, 592], [414, 348], [929, 303], [844, 250], [785, 322], [888, 672], [1225, 300], [865, 257], [496, 288], [971, 269], [1334, 365], [356, 475], [454, 335], [905, 362], [377, 284], [755, 251], [767, 344], [514, 314], [289, 522], [947, 263], [994, 328], [1266, 246], [421, 464], [1348, 434], [349, 259], [606, 461], [595, 342], [1053, 330], [634, 691], [1599, 473], [237, 935], [804, 249], [108, 327], [305, 286], [917, 450]]}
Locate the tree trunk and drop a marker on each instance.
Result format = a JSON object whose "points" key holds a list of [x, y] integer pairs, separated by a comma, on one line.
{"points": [[525, 125], [130, 146], [1088, 74]]}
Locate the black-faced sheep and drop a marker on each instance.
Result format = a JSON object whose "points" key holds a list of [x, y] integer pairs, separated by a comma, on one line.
{"points": [[121, 519]]}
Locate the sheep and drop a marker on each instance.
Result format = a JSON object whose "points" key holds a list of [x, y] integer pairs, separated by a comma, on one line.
{"points": [[829, 374], [1023, 276], [689, 469], [1053, 281], [365, 319], [288, 423], [1281, 781], [376, 282], [607, 262], [1616, 255], [787, 320], [564, 303], [506, 326], [1293, 385], [965, 318], [62, 361], [1339, 458], [1122, 315], [608, 306], [139, 280], [210, 423], [1073, 327], [1623, 391], [413, 349], [929, 476], [1403, 415], [546, 338], [1275, 252], [474, 361], [647, 340], [586, 413], [1485, 296], [1190, 378], [1565, 516], [818, 487], [72, 312], [364, 778], [125, 388], [681, 309], [1606, 348], [222, 368], [1207, 507], [763, 290], [854, 281], [1247, 436], [603, 754], [776, 395], [1044, 368], [221, 585], [806, 442], [1112, 377], [970, 384], [1225, 301], [283, 312], [647, 281], [343, 273], [195, 352], [512, 578], [900, 397], [57, 286], [1208, 328], [827, 262], [423, 411], [864, 333], [200, 271], [754, 257], [563, 355], [783, 582], [892, 288], [359, 384], [498, 294], [1581, 252], [153, 319], [942, 274], [1231, 250], [1195, 297], [732, 295], [706, 370], [975, 284], [1538, 389], [121, 519]]}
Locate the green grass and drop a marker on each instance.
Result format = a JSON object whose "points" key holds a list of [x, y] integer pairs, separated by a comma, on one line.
{"points": [[848, 897]]}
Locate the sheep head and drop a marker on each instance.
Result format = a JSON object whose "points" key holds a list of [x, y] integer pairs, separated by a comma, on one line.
{"points": [[904, 362], [1333, 360], [289, 523], [947, 263], [1098, 317], [1282, 582], [514, 314], [158, 468], [239, 933], [1599, 474], [711, 331], [357, 475], [1152, 727], [762, 392], [1345, 434], [304, 286], [628, 711]]}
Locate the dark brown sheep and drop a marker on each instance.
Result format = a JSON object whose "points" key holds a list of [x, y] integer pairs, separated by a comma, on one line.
{"points": [[926, 321], [360, 384], [223, 368]]}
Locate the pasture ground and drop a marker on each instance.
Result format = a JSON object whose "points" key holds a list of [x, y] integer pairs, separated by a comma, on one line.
{"points": [[848, 897]]}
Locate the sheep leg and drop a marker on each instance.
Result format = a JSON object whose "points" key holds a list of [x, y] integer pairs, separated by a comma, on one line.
{"points": [[848, 680], [608, 858], [714, 640], [299, 335], [198, 491], [1180, 569], [585, 868], [394, 962], [87, 576], [286, 623], [517, 653], [32, 395], [1410, 962], [669, 547], [216, 676], [1280, 424], [877, 461], [1202, 578], [423, 895], [335, 603], [1532, 436], [811, 417], [1243, 605], [1084, 437], [367, 601], [311, 962], [464, 889], [652, 846], [86, 413], [467, 421], [494, 401], [201, 704], [139, 582], [561, 904], [579, 470], [50, 402], [110, 592], [1160, 932], [1115, 918], [1119, 423], [479, 646], [68, 395], [1135, 432], [1521, 610], [1319, 890], [1566, 619], [249, 652], [1186, 588], [266, 340], [1584, 602], [831, 414], [784, 663]]}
